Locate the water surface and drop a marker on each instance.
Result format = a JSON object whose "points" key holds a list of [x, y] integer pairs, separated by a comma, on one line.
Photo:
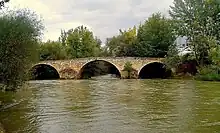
{"points": [[113, 106]]}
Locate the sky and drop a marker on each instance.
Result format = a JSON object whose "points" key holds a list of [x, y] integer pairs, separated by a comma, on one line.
{"points": [[103, 17]]}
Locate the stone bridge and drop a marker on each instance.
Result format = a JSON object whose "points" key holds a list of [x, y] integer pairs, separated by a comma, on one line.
{"points": [[73, 69]]}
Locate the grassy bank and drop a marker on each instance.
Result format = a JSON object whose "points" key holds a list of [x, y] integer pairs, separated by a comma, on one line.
{"points": [[205, 73], [209, 73]]}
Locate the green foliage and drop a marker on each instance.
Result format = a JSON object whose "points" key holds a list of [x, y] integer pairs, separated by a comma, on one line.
{"points": [[172, 58], [215, 55], [104, 51], [122, 44], [154, 36], [112, 45], [63, 37], [52, 51], [75, 43], [201, 46], [196, 16], [19, 34], [128, 67], [81, 43], [152, 39], [209, 73], [199, 21]]}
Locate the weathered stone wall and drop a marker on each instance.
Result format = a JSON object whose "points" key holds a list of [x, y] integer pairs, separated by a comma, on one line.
{"points": [[75, 65]]}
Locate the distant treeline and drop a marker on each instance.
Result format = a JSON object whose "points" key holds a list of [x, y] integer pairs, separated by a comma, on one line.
{"points": [[150, 39]]}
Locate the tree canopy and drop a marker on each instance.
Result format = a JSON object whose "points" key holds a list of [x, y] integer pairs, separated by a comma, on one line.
{"points": [[155, 36], [19, 36], [199, 20], [151, 39], [81, 43], [52, 50], [122, 44]]}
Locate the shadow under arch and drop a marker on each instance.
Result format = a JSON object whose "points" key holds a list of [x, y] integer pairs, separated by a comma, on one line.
{"points": [[154, 70], [43, 72], [98, 68]]}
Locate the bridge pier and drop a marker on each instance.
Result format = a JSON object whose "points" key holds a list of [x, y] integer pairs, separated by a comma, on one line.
{"points": [[68, 73], [129, 75]]}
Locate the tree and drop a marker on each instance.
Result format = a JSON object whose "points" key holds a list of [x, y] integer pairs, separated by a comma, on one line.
{"points": [[199, 20], [19, 35], [154, 36], [63, 37], [104, 51], [122, 44], [98, 48], [112, 45], [81, 43], [52, 50], [172, 59]]}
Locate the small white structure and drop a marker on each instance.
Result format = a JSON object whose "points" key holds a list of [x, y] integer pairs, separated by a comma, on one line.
{"points": [[182, 45]]}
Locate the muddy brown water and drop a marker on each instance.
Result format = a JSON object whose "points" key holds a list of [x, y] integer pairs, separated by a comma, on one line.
{"points": [[113, 106]]}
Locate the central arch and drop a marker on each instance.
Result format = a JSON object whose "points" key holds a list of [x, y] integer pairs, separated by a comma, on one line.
{"points": [[43, 72], [154, 70], [98, 68]]}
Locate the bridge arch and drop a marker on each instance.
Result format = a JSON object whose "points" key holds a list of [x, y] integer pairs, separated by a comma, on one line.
{"points": [[43, 72], [97, 68], [154, 70]]}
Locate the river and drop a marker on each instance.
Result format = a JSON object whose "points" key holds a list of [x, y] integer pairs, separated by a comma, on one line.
{"points": [[113, 106]]}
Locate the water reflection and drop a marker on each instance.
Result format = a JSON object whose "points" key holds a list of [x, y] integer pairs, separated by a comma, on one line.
{"points": [[113, 106]]}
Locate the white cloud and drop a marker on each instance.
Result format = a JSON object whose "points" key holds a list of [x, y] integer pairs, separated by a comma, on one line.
{"points": [[103, 17]]}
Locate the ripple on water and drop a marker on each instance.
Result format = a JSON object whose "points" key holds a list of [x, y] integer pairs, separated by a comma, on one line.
{"points": [[114, 106]]}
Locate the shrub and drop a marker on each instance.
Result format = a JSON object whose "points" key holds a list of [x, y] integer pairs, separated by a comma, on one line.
{"points": [[214, 55], [52, 51], [129, 71], [128, 67], [19, 34], [209, 73]]}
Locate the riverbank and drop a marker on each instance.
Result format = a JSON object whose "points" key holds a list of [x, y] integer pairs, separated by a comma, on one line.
{"points": [[205, 74]]}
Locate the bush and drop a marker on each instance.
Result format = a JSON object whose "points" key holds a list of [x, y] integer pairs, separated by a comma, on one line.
{"points": [[19, 34], [209, 73], [129, 72], [214, 54], [128, 67]]}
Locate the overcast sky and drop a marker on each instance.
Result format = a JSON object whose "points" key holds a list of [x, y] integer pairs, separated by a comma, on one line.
{"points": [[103, 17]]}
